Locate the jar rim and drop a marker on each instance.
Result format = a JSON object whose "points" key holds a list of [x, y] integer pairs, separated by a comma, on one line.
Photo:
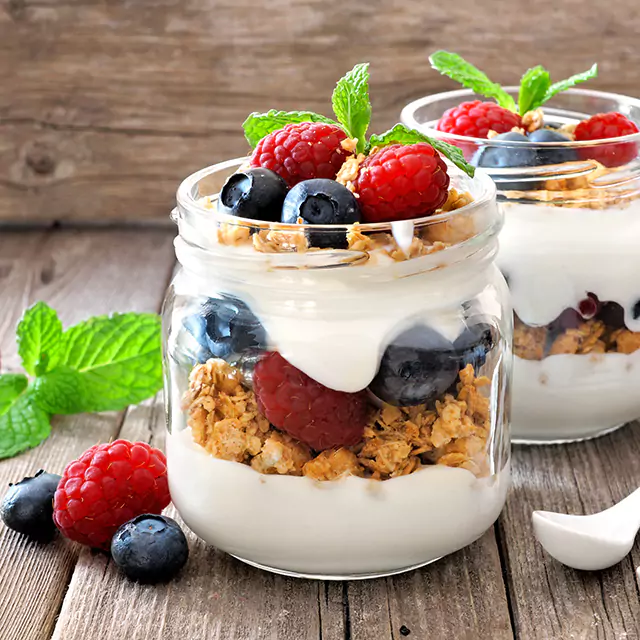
{"points": [[188, 202], [408, 117]]}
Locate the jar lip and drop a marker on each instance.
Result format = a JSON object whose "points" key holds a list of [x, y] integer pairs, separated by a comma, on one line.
{"points": [[407, 116], [187, 201]]}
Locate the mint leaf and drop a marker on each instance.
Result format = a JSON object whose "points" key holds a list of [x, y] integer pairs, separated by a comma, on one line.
{"points": [[457, 68], [259, 125], [351, 103], [23, 424], [563, 85], [105, 364], [403, 135], [11, 386], [533, 88], [39, 334]]}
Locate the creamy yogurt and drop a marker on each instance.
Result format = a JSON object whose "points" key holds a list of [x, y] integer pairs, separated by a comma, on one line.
{"points": [[552, 257], [352, 526]]}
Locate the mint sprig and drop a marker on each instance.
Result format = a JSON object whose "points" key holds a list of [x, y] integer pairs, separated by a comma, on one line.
{"points": [[403, 135], [535, 85], [351, 103], [458, 69], [102, 364]]}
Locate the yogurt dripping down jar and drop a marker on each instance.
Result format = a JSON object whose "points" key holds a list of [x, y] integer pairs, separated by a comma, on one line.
{"points": [[569, 251], [410, 326]]}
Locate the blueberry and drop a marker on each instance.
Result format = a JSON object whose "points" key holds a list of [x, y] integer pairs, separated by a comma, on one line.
{"points": [[417, 367], [255, 193], [552, 156], [473, 345], [225, 328], [502, 157], [150, 548], [28, 506], [322, 201], [636, 310], [612, 314]]}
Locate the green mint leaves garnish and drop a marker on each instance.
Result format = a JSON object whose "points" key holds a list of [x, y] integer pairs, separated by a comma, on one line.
{"points": [[458, 69], [352, 108], [103, 364], [39, 335], [259, 125], [403, 135], [563, 85], [535, 85], [351, 103], [533, 88]]}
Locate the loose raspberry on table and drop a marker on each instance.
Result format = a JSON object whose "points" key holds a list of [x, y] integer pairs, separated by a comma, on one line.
{"points": [[477, 118], [601, 127], [107, 486], [308, 411], [401, 182], [302, 151]]}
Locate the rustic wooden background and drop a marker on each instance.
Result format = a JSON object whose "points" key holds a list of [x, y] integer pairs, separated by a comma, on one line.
{"points": [[106, 104]]}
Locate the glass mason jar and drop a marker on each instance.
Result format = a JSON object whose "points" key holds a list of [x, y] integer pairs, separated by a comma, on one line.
{"points": [[569, 251], [415, 313]]}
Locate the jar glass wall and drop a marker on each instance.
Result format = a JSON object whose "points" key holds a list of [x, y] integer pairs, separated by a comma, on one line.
{"points": [[403, 337], [569, 252]]}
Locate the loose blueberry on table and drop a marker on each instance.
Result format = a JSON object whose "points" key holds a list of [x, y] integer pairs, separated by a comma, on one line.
{"points": [[524, 122]]}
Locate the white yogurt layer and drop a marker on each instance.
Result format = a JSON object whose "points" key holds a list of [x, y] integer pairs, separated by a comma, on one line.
{"points": [[553, 256], [334, 324], [567, 397], [349, 526]]}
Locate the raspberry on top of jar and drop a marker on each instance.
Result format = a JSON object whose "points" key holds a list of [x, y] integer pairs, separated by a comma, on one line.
{"points": [[428, 402]]}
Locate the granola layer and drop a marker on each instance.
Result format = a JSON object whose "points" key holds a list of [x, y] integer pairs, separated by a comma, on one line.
{"points": [[590, 336], [225, 420]]}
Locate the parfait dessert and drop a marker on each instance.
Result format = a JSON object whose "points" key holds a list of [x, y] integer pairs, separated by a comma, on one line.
{"points": [[567, 170], [338, 347]]}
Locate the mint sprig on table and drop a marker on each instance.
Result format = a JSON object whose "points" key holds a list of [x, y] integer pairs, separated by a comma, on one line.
{"points": [[352, 109], [102, 364], [535, 85]]}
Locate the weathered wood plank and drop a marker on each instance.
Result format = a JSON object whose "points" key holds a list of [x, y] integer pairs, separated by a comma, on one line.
{"points": [[103, 101], [79, 274], [580, 478], [459, 597]]}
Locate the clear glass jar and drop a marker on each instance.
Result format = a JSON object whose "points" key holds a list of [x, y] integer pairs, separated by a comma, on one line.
{"points": [[415, 482], [569, 250]]}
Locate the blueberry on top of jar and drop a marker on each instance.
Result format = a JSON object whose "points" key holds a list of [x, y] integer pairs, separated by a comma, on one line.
{"points": [[552, 155], [417, 367], [502, 156], [225, 328], [256, 193], [322, 201]]}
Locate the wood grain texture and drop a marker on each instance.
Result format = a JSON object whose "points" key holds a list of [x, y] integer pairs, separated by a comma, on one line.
{"points": [[105, 106], [74, 272], [219, 598], [548, 599]]}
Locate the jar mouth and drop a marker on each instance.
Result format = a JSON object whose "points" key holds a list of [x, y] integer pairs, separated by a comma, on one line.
{"points": [[192, 202], [630, 107]]}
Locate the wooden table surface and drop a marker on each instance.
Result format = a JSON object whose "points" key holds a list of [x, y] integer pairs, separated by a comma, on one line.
{"points": [[499, 588]]}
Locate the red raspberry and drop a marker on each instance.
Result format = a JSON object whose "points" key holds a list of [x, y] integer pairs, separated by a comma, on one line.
{"points": [[401, 182], [476, 119], [302, 151], [603, 126], [107, 486], [305, 409]]}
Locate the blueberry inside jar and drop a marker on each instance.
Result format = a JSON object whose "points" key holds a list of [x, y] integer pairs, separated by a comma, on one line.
{"points": [[568, 180], [337, 379]]}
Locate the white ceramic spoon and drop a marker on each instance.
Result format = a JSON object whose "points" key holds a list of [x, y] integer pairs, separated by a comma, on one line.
{"points": [[590, 542]]}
